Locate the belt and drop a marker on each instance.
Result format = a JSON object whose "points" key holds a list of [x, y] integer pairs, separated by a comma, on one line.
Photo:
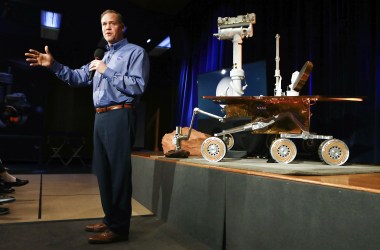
{"points": [[113, 107]]}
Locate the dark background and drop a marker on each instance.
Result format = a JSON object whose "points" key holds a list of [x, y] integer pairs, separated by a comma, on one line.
{"points": [[59, 111], [341, 38]]}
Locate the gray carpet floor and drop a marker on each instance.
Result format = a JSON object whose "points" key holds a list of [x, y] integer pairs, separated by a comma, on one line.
{"points": [[147, 232]]}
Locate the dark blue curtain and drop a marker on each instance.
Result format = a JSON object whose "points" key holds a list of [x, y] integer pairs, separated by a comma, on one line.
{"points": [[187, 94], [340, 37], [199, 57]]}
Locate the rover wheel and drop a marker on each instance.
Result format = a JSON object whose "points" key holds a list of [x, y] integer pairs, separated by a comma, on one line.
{"points": [[228, 140], [270, 138], [283, 150], [213, 149], [333, 152]]}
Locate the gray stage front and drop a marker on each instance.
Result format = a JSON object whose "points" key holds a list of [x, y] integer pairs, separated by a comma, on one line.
{"points": [[229, 210]]}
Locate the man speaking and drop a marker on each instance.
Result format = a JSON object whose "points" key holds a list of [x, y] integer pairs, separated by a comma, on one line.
{"points": [[120, 78]]}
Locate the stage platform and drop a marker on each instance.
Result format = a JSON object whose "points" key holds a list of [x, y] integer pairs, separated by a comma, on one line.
{"points": [[234, 208]]}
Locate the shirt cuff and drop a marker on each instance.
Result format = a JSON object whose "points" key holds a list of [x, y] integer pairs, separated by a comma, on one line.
{"points": [[56, 67]]}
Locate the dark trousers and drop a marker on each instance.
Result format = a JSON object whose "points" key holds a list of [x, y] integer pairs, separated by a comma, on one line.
{"points": [[113, 140]]}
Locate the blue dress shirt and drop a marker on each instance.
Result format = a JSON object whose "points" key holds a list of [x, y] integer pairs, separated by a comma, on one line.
{"points": [[124, 80]]}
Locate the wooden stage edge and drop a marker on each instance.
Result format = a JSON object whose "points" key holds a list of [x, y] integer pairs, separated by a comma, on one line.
{"points": [[360, 182]]}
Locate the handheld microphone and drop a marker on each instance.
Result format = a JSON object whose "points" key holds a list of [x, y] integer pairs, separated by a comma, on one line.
{"points": [[98, 54]]}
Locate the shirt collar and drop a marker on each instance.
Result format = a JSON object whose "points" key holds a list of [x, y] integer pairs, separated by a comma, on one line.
{"points": [[117, 45]]}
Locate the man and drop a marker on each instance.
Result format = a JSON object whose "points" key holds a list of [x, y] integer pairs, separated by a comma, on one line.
{"points": [[120, 79]]}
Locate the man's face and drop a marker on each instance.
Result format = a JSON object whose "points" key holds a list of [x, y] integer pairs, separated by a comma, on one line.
{"points": [[112, 29]]}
